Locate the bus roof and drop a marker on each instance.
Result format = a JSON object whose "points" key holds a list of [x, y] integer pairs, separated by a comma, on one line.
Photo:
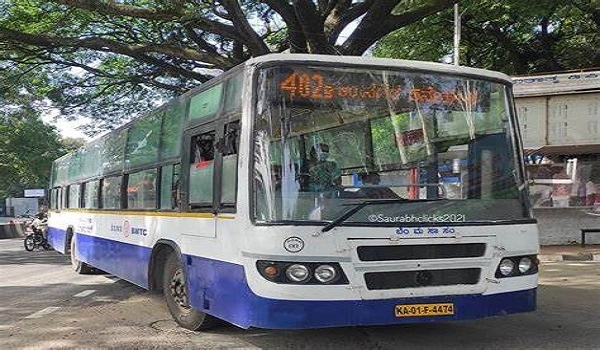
{"points": [[383, 62]]}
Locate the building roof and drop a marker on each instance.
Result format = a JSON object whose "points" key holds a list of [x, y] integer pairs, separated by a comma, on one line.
{"points": [[556, 83], [564, 150]]}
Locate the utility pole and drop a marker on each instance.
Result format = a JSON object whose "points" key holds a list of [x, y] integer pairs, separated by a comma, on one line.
{"points": [[456, 35]]}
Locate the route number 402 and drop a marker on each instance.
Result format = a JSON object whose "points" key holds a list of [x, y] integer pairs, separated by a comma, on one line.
{"points": [[307, 86]]}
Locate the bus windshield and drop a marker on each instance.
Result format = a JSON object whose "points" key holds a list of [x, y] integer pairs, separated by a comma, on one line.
{"points": [[433, 148]]}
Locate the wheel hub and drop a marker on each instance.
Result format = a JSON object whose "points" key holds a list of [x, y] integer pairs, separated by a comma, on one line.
{"points": [[178, 290]]}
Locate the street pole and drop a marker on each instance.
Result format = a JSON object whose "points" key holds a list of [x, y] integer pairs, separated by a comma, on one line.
{"points": [[456, 35]]}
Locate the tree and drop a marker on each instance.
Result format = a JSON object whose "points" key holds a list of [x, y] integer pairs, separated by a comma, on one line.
{"points": [[27, 149], [114, 59], [511, 36]]}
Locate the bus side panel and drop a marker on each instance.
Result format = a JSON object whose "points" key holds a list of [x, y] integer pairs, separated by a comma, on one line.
{"points": [[221, 289], [57, 239], [127, 261]]}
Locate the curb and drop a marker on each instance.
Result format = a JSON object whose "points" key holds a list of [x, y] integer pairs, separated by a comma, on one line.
{"points": [[11, 230], [569, 257]]}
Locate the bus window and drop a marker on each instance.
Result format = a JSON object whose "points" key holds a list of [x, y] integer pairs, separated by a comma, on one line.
{"points": [[111, 192], [53, 198], [90, 195], [202, 169], [142, 141], [169, 187], [141, 190], [229, 148], [74, 198], [233, 102], [114, 151], [206, 103], [170, 135], [64, 197]]}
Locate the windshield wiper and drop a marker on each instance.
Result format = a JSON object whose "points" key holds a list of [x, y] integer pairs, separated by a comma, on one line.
{"points": [[363, 204]]}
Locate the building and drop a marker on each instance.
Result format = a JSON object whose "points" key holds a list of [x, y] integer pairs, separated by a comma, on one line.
{"points": [[559, 117]]}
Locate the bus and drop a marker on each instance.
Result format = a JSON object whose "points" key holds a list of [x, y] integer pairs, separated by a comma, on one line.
{"points": [[306, 191]]}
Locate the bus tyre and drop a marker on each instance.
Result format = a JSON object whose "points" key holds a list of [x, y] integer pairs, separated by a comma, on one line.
{"points": [[79, 266], [177, 297]]}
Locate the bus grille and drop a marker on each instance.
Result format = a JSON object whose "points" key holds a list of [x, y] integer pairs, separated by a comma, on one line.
{"points": [[423, 278], [429, 251]]}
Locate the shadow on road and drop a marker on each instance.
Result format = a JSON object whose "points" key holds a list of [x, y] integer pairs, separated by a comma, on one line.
{"points": [[36, 257]]}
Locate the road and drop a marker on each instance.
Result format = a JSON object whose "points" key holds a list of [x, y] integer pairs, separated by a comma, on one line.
{"points": [[43, 305]]}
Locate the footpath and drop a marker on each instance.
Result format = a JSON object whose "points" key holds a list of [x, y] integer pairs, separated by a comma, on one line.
{"points": [[569, 252]]}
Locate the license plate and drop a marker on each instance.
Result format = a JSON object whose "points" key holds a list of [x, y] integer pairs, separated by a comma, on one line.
{"points": [[414, 310]]}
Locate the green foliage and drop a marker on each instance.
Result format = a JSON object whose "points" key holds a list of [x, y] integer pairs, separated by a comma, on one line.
{"points": [[114, 60], [27, 149], [512, 36]]}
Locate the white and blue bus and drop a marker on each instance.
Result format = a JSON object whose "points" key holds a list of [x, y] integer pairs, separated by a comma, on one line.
{"points": [[303, 191]]}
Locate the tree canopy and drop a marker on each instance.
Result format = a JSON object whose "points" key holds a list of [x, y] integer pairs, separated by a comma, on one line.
{"points": [[113, 59], [27, 149], [512, 36]]}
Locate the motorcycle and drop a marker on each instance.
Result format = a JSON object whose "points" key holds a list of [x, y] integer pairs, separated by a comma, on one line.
{"points": [[36, 237]]}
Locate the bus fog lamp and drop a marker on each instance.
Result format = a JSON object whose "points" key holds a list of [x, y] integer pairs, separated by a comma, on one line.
{"points": [[525, 264], [297, 273], [325, 273], [507, 267]]}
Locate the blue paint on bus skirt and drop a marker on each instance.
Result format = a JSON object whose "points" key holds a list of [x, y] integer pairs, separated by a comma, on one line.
{"points": [[127, 261], [57, 239], [220, 288]]}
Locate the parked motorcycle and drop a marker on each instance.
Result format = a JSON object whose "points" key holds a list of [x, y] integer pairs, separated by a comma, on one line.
{"points": [[36, 235]]}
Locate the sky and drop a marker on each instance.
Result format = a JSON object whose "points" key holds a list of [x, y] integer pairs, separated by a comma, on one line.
{"points": [[65, 128]]}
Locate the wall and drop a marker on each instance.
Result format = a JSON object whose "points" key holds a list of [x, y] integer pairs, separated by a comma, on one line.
{"points": [[11, 230], [559, 120], [20, 206], [562, 226]]}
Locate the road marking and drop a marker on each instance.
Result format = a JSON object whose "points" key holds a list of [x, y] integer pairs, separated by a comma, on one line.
{"points": [[43, 312], [85, 293]]}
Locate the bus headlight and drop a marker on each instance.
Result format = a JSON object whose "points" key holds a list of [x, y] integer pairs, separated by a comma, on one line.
{"points": [[515, 266], [506, 267], [325, 273], [306, 273], [525, 264], [297, 273]]}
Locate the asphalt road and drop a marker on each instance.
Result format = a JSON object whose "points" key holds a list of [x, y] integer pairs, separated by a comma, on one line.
{"points": [[43, 305]]}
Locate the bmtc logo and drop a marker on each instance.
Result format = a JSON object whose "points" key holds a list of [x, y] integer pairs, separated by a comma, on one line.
{"points": [[129, 230]]}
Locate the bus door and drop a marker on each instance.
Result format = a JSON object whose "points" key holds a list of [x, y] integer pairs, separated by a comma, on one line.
{"points": [[198, 179]]}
